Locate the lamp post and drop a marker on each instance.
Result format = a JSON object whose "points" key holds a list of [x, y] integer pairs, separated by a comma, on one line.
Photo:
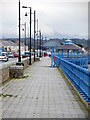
{"points": [[19, 58], [30, 37], [37, 37], [34, 34], [44, 39], [40, 42], [30, 31], [42, 45], [25, 35]]}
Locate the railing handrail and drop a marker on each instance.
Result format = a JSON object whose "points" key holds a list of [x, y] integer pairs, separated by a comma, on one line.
{"points": [[76, 66], [71, 55], [79, 76]]}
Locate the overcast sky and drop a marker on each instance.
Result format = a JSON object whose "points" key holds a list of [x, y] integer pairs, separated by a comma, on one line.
{"points": [[55, 16]]}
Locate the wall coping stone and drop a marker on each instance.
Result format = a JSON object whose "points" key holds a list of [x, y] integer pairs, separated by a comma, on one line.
{"points": [[16, 67]]}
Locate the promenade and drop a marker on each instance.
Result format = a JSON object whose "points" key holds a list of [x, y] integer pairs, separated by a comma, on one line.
{"points": [[42, 93], [88, 67]]}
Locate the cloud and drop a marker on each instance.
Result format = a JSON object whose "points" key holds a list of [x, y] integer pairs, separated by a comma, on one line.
{"points": [[9, 18], [5, 2], [69, 18], [47, 30], [62, 16]]}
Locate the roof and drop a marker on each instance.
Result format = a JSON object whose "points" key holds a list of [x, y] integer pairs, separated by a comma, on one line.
{"points": [[68, 40], [1, 45], [51, 43], [69, 47], [9, 43]]}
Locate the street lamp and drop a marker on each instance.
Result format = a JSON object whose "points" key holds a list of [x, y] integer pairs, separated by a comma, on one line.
{"points": [[19, 58], [37, 37], [34, 34], [30, 31], [25, 34], [40, 42], [44, 39]]}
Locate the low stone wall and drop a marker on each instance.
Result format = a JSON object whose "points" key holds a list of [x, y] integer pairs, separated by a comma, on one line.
{"points": [[4, 74], [4, 71], [26, 63], [16, 71], [0, 75]]}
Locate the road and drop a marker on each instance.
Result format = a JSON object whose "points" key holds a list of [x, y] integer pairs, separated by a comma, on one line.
{"points": [[10, 60]]}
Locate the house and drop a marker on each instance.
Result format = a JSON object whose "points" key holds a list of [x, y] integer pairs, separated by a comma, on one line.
{"points": [[10, 46]]}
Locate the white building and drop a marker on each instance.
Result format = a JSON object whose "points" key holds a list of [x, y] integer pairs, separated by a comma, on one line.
{"points": [[10, 46]]}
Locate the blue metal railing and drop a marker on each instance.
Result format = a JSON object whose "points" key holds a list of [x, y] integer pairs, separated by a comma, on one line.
{"points": [[80, 77], [80, 60]]}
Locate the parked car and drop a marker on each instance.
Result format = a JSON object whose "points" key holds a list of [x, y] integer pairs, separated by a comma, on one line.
{"points": [[10, 55], [25, 54], [3, 57], [44, 52], [16, 54], [47, 53], [6, 55]]}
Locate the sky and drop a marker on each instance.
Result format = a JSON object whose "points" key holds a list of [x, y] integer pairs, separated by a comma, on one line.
{"points": [[55, 17]]}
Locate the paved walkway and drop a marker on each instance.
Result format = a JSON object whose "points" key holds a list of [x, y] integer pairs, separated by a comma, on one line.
{"points": [[44, 94], [88, 67]]}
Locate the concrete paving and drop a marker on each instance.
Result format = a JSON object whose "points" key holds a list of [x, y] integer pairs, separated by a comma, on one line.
{"points": [[43, 93], [88, 67]]}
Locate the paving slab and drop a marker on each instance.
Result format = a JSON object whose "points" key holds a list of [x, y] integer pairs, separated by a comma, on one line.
{"points": [[42, 93]]}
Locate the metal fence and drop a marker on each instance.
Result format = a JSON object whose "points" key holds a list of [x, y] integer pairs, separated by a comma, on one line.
{"points": [[80, 60], [80, 77]]}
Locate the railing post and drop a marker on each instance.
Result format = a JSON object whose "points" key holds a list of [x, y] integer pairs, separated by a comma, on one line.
{"points": [[51, 56], [74, 52], [68, 53], [86, 63], [77, 52], [80, 77], [58, 52], [89, 86], [62, 53]]}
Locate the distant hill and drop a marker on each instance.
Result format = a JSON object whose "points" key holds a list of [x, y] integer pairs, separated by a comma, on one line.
{"points": [[74, 40], [27, 41], [68, 36]]}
